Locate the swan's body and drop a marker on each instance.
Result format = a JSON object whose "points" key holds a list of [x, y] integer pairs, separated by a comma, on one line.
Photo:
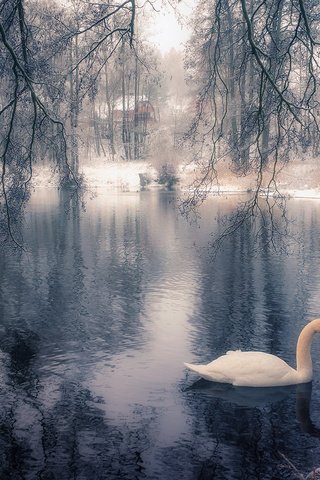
{"points": [[258, 369]]}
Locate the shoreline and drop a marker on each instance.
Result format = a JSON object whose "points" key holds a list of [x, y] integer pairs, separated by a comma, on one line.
{"points": [[124, 177]]}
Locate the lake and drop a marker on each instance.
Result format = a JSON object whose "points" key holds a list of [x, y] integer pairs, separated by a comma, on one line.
{"points": [[98, 316]]}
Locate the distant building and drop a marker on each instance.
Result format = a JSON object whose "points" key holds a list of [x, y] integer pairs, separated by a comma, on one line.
{"points": [[141, 111]]}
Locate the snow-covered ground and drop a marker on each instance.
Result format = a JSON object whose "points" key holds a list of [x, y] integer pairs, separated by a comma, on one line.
{"points": [[297, 179], [123, 176]]}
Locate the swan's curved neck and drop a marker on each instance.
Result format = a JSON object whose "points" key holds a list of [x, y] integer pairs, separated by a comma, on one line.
{"points": [[304, 360]]}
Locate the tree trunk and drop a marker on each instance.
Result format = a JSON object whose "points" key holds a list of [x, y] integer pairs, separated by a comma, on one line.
{"points": [[232, 88], [276, 33], [125, 112], [110, 122], [136, 112], [74, 105]]}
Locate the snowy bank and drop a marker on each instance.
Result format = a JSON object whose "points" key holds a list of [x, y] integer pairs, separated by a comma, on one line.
{"points": [[296, 180], [123, 176]]}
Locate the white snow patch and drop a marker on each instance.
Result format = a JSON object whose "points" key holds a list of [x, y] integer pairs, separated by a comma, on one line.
{"points": [[296, 180], [123, 176]]}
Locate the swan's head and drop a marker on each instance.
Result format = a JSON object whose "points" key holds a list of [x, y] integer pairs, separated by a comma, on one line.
{"points": [[316, 325]]}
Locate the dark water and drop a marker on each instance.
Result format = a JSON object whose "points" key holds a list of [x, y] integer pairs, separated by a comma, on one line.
{"points": [[98, 318]]}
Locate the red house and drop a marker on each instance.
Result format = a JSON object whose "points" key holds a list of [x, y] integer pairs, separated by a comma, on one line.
{"points": [[141, 111]]}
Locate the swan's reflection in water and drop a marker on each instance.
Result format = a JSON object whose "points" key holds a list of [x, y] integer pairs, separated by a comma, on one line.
{"points": [[261, 397], [303, 401], [257, 423], [303, 409]]}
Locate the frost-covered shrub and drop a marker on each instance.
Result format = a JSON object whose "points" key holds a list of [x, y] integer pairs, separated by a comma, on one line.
{"points": [[168, 176]]}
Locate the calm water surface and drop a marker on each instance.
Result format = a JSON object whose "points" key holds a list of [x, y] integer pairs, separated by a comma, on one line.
{"points": [[98, 317]]}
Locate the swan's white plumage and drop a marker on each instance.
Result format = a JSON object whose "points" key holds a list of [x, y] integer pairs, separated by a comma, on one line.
{"points": [[259, 369], [255, 369]]}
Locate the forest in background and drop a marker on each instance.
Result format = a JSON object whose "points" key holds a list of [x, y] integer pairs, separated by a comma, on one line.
{"points": [[80, 79]]}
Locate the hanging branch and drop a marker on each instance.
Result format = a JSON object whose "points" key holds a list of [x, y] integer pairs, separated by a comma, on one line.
{"points": [[34, 105], [254, 126]]}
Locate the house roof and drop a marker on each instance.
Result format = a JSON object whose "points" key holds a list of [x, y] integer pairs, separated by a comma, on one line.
{"points": [[102, 107]]}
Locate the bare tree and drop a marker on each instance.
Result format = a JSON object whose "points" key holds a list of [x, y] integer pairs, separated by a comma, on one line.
{"points": [[35, 37], [258, 69]]}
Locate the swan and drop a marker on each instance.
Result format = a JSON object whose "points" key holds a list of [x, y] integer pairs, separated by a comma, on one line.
{"points": [[259, 369]]}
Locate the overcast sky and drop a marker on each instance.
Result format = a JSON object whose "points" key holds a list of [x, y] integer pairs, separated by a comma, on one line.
{"points": [[166, 31]]}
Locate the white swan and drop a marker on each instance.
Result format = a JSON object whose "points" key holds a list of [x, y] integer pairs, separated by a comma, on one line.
{"points": [[258, 369]]}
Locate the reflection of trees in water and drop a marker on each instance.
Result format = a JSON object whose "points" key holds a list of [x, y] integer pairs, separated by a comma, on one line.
{"points": [[253, 299], [242, 442], [73, 439], [259, 302], [236, 299], [66, 435], [18, 352], [77, 299], [80, 280], [78, 293], [80, 440], [117, 260]]}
